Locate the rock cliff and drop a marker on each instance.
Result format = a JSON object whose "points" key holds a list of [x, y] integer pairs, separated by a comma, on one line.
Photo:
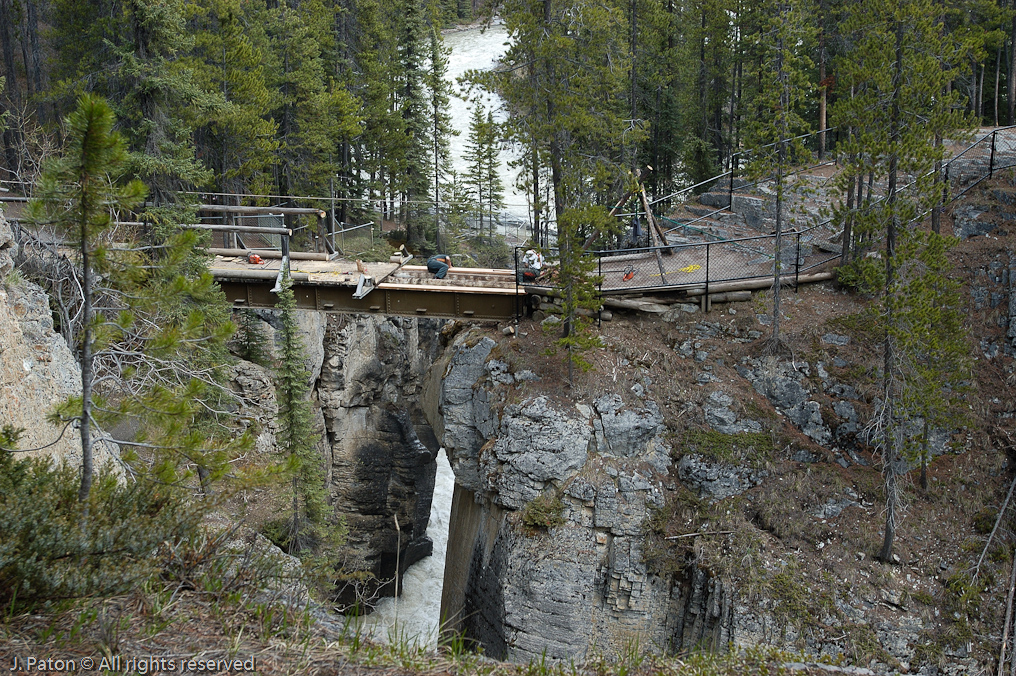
{"points": [[37, 369], [690, 495], [366, 374], [594, 471]]}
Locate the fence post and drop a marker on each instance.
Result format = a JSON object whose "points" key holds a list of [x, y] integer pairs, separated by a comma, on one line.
{"points": [[797, 264], [705, 298], [733, 169], [518, 311], [599, 273], [991, 159]]}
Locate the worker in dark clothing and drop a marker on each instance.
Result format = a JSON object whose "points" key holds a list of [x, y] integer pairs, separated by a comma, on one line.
{"points": [[439, 264]]}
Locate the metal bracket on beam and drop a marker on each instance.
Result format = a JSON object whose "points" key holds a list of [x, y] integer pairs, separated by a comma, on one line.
{"points": [[363, 286]]}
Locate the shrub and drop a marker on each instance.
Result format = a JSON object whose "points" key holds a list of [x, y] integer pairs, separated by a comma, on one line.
{"points": [[51, 549], [544, 511]]}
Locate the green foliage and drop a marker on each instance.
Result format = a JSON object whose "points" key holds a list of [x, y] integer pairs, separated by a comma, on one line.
{"points": [[544, 511], [699, 163], [754, 447], [49, 553], [576, 277], [250, 342], [156, 343], [483, 180], [304, 529], [901, 69]]}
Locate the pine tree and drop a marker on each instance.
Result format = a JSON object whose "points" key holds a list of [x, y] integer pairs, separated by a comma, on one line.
{"points": [[441, 122], [413, 184], [78, 193], [898, 71], [152, 329], [234, 131], [772, 137], [576, 276], [130, 53], [563, 70]]}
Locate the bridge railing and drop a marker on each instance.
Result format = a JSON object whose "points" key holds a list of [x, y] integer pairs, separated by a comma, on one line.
{"points": [[682, 266]]}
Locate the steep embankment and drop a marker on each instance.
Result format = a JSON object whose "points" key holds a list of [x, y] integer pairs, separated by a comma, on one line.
{"points": [[365, 375], [37, 369], [689, 494]]}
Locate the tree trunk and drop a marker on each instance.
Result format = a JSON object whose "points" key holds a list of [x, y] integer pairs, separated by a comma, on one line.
{"points": [[823, 90], [539, 237], [891, 451], [998, 73], [7, 46], [1011, 80], [924, 457], [781, 157], [936, 211], [86, 360], [848, 222]]}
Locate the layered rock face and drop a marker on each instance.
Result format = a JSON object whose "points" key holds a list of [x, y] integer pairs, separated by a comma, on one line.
{"points": [[37, 369], [522, 591], [381, 476], [366, 373]]}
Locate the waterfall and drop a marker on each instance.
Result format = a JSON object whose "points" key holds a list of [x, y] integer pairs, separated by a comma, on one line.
{"points": [[416, 615]]}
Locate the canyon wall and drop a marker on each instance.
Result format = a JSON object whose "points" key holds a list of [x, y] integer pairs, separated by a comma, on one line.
{"points": [[38, 371], [551, 502], [366, 373]]}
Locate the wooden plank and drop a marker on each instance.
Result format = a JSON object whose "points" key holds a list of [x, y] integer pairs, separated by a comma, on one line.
{"points": [[270, 253], [498, 291]]}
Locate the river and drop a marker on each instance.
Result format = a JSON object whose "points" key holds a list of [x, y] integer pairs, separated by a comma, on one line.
{"points": [[416, 614], [476, 49]]}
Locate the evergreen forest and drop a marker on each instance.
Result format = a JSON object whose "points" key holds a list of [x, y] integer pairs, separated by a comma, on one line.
{"points": [[348, 98]]}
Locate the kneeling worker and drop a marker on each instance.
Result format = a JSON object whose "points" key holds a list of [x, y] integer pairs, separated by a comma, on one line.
{"points": [[439, 264]]}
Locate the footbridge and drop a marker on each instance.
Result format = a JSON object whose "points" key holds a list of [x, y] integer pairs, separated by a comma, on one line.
{"points": [[391, 288]]}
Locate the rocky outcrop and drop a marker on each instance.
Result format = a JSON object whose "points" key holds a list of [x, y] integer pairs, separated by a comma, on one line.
{"points": [[523, 591], [366, 375], [37, 369], [381, 477]]}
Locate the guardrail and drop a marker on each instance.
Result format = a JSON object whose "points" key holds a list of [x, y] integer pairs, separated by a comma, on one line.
{"points": [[689, 266]]}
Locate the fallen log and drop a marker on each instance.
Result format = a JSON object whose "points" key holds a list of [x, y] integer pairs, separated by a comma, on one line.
{"points": [[755, 284], [639, 305]]}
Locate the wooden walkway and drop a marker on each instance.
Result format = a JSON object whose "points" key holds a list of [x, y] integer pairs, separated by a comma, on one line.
{"points": [[398, 288]]}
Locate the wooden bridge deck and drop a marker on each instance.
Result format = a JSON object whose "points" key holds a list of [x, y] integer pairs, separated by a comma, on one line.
{"points": [[328, 286]]}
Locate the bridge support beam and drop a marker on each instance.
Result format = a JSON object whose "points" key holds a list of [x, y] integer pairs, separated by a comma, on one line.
{"points": [[479, 303]]}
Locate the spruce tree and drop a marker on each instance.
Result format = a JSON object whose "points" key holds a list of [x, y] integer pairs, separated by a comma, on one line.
{"points": [[295, 437], [476, 157]]}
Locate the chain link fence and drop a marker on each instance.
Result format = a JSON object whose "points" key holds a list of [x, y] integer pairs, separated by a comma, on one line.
{"points": [[685, 266], [350, 240]]}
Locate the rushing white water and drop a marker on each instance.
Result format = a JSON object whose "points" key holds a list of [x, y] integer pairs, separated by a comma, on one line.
{"points": [[416, 615], [480, 49]]}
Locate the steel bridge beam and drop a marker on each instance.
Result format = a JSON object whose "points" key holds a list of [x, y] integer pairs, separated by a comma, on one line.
{"points": [[479, 303]]}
